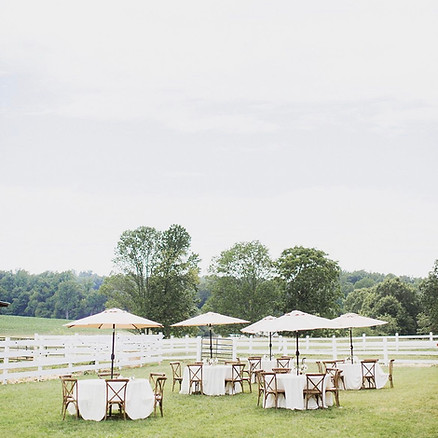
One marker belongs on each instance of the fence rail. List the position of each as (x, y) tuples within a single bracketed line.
[(43, 356)]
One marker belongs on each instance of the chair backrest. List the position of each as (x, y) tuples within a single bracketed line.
[(281, 370), (328, 364), (159, 386), (195, 372), (237, 371), (69, 388), (320, 368), (283, 362), (107, 375), (368, 367), (258, 375), (334, 374), (176, 369), (116, 390), (269, 382), (315, 382), (153, 378), (255, 363)]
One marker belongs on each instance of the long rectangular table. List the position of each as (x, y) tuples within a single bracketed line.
[(92, 399)]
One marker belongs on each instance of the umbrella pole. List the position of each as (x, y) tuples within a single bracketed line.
[(112, 351), (270, 345), (351, 344), (211, 345), (298, 354)]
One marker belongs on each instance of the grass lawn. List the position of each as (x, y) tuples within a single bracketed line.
[(27, 326), (410, 409)]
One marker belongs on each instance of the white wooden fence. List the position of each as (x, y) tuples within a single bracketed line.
[(44, 356), (414, 349)]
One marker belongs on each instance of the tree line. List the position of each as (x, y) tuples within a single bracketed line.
[(157, 276)]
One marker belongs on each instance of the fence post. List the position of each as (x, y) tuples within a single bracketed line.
[(234, 348), (431, 337), (396, 342), (334, 351), (6, 361), (40, 356), (187, 344), (307, 342), (250, 345), (385, 350), (364, 337), (198, 348)]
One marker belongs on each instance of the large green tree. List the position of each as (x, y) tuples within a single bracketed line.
[(429, 301), (242, 283), (310, 281), (158, 274), (393, 300)]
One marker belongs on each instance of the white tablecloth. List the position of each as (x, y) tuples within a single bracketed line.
[(352, 373), (92, 399), (294, 398), (213, 380)]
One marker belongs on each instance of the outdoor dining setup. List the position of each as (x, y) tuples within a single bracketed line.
[(277, 381)]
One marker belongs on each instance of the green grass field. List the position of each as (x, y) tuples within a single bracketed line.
[(408, 410), (27, 326)]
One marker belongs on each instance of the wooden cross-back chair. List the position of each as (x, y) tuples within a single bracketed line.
[(368, 367), (176, 374), (283, 362), (153, 378), (236, 376), (270, 387), (314, 389), (116, 396), (254, 364), (390, 370), (335, 381), (195, 378), (328, 364), (333, 364), (159, 394), (69, 394), (320, 367), (260, 387)]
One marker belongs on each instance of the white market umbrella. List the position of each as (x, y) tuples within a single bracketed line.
[(262, 326), (209, 319), (115, 319), (353, 320), (297, 321)]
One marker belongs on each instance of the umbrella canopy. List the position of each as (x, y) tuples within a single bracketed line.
[(353, 320), (262, 326), (209, 319), (4, 304), (297, 321), (115, 319)]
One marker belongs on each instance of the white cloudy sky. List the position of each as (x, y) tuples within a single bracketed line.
[(295, 123)]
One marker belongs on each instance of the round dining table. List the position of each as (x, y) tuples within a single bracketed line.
[(213, 380), (293, 386), (92, 399), (352, 373)]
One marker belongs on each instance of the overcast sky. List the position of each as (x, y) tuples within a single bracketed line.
[(294, 123)]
